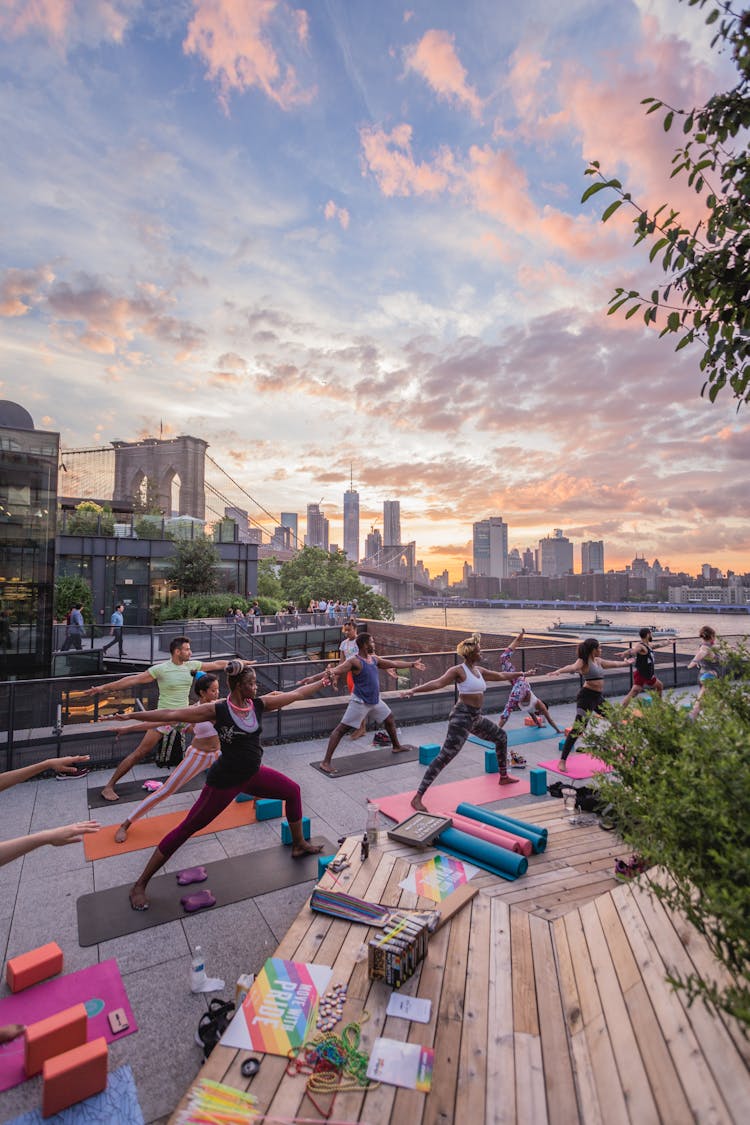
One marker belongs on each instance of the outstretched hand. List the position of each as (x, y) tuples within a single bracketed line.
[(419, 665), (72, 833), (408, 693), (69, 764)]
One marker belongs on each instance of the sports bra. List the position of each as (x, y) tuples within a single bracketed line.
[(595, 672), (473, 684), (204, 730)]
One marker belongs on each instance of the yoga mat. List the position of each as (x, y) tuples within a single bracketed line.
[(579, 766), (518, 736), (537, 837), (147, 832), (373, 759), (130, 791), (491, 858), (492, 834), (443, 799), (117, 1103), (99, 987), (108, 914)]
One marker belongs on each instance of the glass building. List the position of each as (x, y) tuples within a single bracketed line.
[(28, 508)]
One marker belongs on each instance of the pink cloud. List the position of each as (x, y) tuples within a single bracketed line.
[(62, 20), (434, 58), (339, 214), (20, 290), (389, 157), (232, 39)]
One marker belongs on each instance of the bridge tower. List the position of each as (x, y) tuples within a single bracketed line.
[(163, 464)]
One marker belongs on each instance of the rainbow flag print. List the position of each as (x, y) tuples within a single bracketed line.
[(438, 877), (281, 1007)]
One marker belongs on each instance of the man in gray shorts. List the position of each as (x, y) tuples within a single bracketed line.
[(365, 702)]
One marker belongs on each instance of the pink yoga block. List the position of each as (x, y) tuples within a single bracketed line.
[(36, 965)]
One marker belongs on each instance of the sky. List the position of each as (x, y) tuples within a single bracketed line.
[(345, 236)]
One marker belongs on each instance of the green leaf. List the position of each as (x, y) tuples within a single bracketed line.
[(656, 248), (668, 121), (683, 343), (592, 190), (614, 307), (632, 312), (673, 322), (611, 210), (688, 125), (713, 17)]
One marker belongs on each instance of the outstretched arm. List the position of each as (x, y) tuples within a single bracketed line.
[(624, 659), (448, 677), (388, 664), (121, 684), (67, 834), (275, 700), (515, 643), (198, 713), (59, 765), (489, 674), (577, 667)]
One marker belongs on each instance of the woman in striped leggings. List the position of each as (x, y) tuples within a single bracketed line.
[(200, 755)]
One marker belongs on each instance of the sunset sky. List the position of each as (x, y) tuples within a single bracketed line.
[(349, 232)]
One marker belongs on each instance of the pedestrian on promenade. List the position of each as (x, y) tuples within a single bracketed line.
[(470, 680), (644, 673), (75, 629), (174, 679), (707, 661), (590, 699), (200, 755), (116, 622), (238, 721), (365, 702)]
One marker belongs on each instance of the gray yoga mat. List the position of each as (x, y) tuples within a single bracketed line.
[(373, 759), (130, 791), (108, 914)]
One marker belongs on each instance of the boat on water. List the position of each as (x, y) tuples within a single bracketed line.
[(604, 625)]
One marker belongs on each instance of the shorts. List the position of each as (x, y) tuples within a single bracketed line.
[(706, 676), (641, 681), (358, 712)]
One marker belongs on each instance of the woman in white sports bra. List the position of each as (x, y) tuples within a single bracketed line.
[(202, 752), (466, 717)]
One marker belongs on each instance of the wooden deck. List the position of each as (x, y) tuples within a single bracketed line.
[(549, 1001)]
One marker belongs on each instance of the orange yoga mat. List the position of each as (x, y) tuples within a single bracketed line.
[(147, 833)]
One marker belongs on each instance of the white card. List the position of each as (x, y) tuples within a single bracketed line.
[(409, 1007)]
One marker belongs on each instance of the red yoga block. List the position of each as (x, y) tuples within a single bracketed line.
[(73, 1076), (29, 968), (54, 1035)]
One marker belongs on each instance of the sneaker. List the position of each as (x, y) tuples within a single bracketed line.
[(625, 870), (380, 738), (517, 760), (70, 776)]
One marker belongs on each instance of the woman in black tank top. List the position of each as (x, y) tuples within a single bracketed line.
[(590, 698)]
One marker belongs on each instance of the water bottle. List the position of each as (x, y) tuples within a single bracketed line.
[(197, 970), (372, 823)]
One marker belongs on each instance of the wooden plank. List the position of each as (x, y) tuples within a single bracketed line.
[(500, 1105), (562, 1107), (470, 1100), (587, 1095), (531, 1101)]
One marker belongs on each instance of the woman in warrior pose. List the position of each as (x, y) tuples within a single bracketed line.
[(590, 666), (466, 717), (708, 662), (238, 723), (200, 755)]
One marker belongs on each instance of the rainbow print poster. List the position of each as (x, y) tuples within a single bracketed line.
[(438, 877), (280, 1010)]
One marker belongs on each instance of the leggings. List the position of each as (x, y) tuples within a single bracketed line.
[(463, 721), (588, 702), (264, 783), (191, 765)]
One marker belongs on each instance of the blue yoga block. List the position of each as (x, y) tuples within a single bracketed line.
[(428, 752), (268, 808), (286, 834), (490, 762), (244, 797), (645, 699), (538, 782), (323, 861)]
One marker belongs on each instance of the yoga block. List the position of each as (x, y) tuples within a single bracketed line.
[(428, 752), (323, 861), (74, 1076), (244, 797), (490, 762), (268, 809), (286, 833), (29, 968), (58, 1033), (645, 699), (538, 782)]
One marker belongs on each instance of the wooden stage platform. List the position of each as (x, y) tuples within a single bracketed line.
[(549, 1001)]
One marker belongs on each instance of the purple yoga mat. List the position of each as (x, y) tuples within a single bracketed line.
[(99, 987)]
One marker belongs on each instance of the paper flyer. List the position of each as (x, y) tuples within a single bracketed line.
[(280, 1010), (438, 877), (409, 1007), (401, 1064)]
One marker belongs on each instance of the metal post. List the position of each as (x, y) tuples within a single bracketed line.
[(11, 721)]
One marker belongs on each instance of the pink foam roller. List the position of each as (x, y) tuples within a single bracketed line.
[(492, 835)]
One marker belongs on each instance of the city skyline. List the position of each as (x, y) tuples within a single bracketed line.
[(268, 224)]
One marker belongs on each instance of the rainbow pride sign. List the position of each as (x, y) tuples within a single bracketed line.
[(281, 1008), (438, 877)]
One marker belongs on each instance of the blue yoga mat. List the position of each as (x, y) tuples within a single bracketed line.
[(519, 736), (537, 836), (493, 858)]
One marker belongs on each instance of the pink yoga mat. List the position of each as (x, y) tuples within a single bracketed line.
[(99, 987), (492, 835), (443, 799), (579, 766)]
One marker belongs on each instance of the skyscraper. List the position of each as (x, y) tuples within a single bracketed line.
[(555, 555), (592, 556), (289, 519), (351, 525), (317, 528), (491, 547), (373, 543), (391, 523)]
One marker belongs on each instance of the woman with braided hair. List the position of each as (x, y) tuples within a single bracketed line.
[(238, 723)]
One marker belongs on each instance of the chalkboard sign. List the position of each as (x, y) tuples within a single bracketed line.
[(419, 830)]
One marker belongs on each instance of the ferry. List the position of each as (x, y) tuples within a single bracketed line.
[(605, 625)]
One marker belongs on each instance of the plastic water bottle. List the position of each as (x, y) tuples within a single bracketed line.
[(197, 970), (372, 823)]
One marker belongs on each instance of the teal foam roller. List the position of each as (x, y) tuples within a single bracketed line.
[(323, 861), (286, 832), (428, 752), (471, 848), (268, 808), (244, 797), (538, 782), (537, 836), (490, 762), (518, 736)]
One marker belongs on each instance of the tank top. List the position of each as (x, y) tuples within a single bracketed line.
[(644, 662), (241, 751), (473, 684), (367, 682), (204, 730), (594, 672)]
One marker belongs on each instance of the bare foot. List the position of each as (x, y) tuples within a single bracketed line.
[(326, 767), (359, 733), (508, 781), (109, 794), (418, 804), (402, 749), (562, 766), (11, 1031), (138, 899), (121, 834), (305, 848)]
